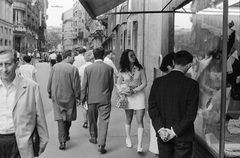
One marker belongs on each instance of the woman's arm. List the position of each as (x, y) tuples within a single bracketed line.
[(143, 84)]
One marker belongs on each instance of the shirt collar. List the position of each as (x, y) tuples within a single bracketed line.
[(177, 70), (98, 60), (14, 82)]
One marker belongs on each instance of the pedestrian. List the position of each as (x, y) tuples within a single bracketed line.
[(79, 59), (173, 105), (109, 60), (53, 58), (21, 111), (131, 82), (165, 67), (59, 57), (64, 89), (97, 89), (89, 58), (27, 69)]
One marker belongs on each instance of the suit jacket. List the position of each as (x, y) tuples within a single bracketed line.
[(28, 112), (173, 102), (97, 83)]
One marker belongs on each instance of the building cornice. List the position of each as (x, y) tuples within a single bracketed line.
[(6, 23)]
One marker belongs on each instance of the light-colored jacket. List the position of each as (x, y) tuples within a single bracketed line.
[(28, 111)]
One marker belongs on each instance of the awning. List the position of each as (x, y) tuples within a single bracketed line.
[(98, 7)]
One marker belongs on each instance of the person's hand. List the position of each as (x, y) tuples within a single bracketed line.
[(78, 102), (41, 150), (238, 79), (164, 135), (171, 134)]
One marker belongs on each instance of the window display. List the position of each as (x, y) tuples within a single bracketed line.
[(205, 41)]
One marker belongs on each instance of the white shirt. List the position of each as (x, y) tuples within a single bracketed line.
[(53, 56), (7, 95), (27, 70), (81, 70), (110, 63), (79, 61)]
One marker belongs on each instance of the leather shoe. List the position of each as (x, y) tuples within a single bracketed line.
[(102, 149), (62, 146), (85, 125), (93, 140), (68, 138)]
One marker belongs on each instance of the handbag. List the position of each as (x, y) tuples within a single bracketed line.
[(35, 142), (121, 102)]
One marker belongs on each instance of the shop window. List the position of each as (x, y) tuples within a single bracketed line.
[(201, 34)]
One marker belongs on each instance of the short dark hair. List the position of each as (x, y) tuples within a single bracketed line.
[(182, 58), (27, 59), (98, 53), (167, 61), (66, 54), (80, 50), (5, 51)]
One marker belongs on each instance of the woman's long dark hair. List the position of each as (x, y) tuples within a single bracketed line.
[(125, 63)]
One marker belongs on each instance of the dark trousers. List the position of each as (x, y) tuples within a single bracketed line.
[(175, 149), (53, 62), (8, 146), (103, 111), (63, 130)]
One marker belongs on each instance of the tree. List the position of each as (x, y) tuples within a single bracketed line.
[(53, 38)]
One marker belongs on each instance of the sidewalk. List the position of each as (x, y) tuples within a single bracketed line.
[(80, 147)]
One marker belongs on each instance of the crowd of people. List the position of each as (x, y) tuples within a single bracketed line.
[(188, 87)]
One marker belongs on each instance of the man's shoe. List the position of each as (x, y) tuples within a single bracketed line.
[(93, 140), (62, 146), (85, 125), (102, 149), (68, 138)]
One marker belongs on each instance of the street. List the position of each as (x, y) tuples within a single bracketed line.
[(79, 146)]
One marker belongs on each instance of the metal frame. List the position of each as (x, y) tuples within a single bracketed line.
[(149, 12)]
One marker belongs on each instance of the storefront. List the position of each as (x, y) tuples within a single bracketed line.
[(217, 125)]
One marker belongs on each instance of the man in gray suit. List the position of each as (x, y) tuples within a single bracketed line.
[(97, 89)]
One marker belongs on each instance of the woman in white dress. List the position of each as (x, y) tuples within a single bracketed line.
[(27, 70), (131, 82)]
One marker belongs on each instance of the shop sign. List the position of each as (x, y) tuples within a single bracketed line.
[(20, 29)]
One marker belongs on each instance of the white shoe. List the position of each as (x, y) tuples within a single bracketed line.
[(139, 150), (128, 143)]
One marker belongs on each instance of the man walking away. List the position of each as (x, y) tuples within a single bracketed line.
[(173, 104), (64, 89), (97, 89)]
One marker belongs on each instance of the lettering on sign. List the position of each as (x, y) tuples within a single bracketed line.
[(19, 29)]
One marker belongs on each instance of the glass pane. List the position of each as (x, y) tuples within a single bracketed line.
[(201, 34)]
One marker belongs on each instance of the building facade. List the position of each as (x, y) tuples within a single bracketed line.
[(6, 23), (80, 33), (67, 30), (29, 19)]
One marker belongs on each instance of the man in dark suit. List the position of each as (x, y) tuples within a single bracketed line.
[(173, 104), (97, 89)]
